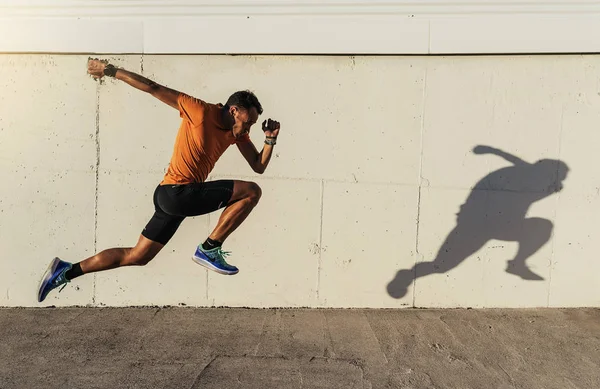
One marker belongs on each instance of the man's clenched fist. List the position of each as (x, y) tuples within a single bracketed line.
[(96, 67)]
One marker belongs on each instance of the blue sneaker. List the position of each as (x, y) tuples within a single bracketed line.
[(53, 278), (214, 260)]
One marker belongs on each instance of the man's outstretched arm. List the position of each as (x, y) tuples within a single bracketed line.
[(491, 150), (99, 69)]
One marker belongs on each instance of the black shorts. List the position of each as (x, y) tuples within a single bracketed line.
[(173, 203)]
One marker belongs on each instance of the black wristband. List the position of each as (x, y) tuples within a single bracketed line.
[(110, 70)]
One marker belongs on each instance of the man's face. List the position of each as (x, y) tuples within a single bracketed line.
[(243, 120)]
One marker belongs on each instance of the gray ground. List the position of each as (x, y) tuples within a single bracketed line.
[(246, 348)]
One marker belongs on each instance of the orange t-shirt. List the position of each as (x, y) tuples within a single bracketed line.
[(200, 142)]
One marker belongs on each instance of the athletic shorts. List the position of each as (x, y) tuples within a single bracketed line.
[(173, 203)]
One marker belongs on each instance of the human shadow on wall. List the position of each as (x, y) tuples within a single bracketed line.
[(496, 209)]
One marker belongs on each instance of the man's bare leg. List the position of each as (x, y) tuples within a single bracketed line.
[(143, 252), (60, 272), (243, 200), (245, 197)]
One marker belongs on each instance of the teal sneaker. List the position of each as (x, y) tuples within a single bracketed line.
[(53, 278), (214, 260)]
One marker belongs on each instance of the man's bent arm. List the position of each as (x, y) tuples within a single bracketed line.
[(166, 95), (257, 161), (263, 158)]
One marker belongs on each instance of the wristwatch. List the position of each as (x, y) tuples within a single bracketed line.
[(271, 140), (110, 70)]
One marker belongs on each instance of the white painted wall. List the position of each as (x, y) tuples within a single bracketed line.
[(300, 27), (373, 163)]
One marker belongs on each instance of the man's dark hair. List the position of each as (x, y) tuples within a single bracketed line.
[(245, 99)]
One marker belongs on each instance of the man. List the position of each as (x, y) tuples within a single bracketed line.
[(206, 131)]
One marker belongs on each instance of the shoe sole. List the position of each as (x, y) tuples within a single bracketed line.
[(46, 277), (207, 265)]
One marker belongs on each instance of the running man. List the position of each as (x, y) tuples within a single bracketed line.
[(206, 132)]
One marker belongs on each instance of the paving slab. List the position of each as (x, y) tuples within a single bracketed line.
[(180, 347)]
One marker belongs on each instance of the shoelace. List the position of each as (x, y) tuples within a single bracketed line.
[(61, 279), (222, 254), (219, 256)]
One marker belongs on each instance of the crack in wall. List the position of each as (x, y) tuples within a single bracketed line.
[(557, 204), (320, 241), (421, 179), (97, 179)]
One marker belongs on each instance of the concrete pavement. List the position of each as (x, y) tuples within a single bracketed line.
[(298, 348)]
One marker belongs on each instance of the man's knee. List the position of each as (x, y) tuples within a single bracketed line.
[(139, 258), (144, 251), (254, 192), (246, 191)]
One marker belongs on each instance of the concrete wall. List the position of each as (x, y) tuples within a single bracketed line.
[(374, 161), (348, 27)]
